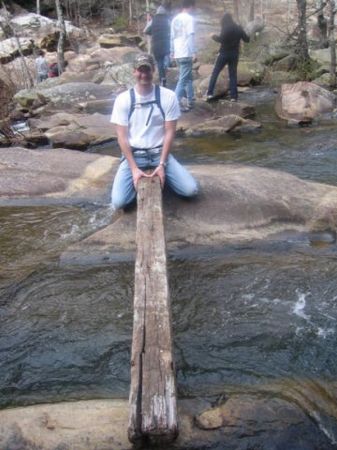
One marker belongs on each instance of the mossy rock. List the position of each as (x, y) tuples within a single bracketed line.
[(323, 80), (286, 64), (27, 100), (276, 78), (277, 55), (250, 73)]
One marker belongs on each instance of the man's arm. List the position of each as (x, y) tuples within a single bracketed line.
[(245, 36), (123, 141), (169, 134)]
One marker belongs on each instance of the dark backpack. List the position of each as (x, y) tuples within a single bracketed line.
[(156, 101)]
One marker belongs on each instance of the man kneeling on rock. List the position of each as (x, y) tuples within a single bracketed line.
[(146, 119)]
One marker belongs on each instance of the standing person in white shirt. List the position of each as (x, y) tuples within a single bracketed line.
[(146, 118), (183, 50), (41, 67)]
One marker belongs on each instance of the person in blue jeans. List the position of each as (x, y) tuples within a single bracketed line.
[(183, 51), (230, 36), (146, 118)]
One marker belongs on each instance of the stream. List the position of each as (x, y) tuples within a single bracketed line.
[(257, 317)]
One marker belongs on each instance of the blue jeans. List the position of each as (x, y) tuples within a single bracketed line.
[(41, 77), (185, 82), (176, 176), (230, 58), (162, 64)]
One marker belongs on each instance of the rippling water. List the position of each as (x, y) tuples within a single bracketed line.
[(261, 317)]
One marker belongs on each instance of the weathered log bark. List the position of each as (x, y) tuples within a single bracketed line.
[(153, 409)]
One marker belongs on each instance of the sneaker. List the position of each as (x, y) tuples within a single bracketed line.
[(209, 98), (184, 109)]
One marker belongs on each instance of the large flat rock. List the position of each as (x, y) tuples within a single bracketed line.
[(236, 203), (54, 176), (76, 131), (243, 421)]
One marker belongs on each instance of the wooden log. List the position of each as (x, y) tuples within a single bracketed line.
[(153, 405)]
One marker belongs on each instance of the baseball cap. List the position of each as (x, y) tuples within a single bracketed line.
[(144, 59)]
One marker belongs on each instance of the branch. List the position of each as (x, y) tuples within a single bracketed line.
[(292, 34)]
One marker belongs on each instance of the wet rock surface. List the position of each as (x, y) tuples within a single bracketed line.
[(66, 95), (76, 131), (242, 422), (236, 203), (49, 176)]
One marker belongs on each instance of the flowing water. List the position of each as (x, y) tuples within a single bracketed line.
[(259, 317)]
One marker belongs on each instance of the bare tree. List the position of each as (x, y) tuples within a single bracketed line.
[(130, 12), (332, 42), (302, 42), (62, 37), (236, 10), (251, 10), (148, 20), (38, 9), (322, 25)]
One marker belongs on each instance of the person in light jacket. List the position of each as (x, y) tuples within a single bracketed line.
[(41, 67)]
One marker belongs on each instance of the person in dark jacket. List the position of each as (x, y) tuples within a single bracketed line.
[(159, 29), (230, 37)]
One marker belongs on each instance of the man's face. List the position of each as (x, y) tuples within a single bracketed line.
[(144, 75)]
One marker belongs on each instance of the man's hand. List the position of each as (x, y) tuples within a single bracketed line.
[(137, 174), (159, 172)]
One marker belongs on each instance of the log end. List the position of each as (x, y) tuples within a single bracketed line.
[(157, 437)]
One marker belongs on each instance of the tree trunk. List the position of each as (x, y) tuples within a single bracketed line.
[(236, 10), (251, 10), (78, 14), (302, 43), (62, 37), (130, 12), (148, 18), (332, 42), (322, 24), (38, 10)]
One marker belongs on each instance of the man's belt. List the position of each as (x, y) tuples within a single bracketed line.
[(145, 151)]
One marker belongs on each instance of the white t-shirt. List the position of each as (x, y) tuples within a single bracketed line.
[(41, 65), (182, 27), (146, 126)]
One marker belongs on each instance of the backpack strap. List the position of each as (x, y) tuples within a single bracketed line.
[(133, 102), (157, 96), (157, 101)]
